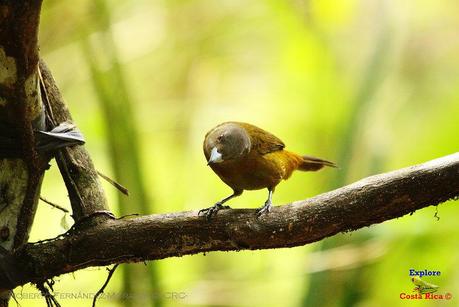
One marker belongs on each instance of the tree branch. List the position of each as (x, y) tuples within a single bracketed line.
[(86, 195), (371, 200), (21, 111)]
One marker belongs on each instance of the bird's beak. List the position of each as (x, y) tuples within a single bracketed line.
[(215, 156)]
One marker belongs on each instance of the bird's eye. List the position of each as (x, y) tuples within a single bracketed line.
[(220, 138)]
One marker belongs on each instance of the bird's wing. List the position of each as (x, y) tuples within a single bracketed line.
[(263, 141)]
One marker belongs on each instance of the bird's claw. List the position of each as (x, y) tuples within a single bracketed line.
[(211, 211), (265, 209)]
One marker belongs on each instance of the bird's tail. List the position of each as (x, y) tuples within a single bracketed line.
[(314, 164)]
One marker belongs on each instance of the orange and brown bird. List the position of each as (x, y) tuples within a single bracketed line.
[(246, 157)]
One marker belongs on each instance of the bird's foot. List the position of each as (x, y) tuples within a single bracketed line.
[(265, 209), (211, 211)]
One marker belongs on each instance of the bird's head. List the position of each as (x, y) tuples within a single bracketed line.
[(225, 142)]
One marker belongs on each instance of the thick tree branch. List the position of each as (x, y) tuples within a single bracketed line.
[(372, 200), (20, 113), (81, 179)]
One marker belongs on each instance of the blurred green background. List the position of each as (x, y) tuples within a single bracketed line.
[(372, 85)]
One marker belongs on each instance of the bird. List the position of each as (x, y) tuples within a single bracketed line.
[(246, 157)]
